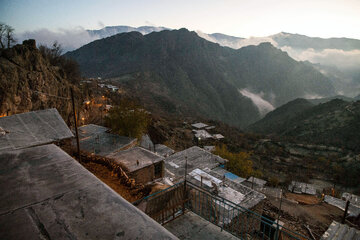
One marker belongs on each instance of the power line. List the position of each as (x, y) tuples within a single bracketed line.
[(50, 95)]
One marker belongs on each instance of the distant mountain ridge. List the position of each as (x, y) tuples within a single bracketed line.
[(113, 30), (182, 72)]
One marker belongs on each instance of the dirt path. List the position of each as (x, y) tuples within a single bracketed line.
[(104, 174)]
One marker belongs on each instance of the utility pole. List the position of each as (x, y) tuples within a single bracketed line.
[(345, 212), (76, 129)]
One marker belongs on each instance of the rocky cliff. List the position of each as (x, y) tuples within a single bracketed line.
[(29, 82)]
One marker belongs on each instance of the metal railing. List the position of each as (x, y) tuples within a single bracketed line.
[(243, 223)]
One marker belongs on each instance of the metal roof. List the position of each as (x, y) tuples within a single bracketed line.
[(300, 187), (353, 210), (337, 231), (46, 194), (33, 128)]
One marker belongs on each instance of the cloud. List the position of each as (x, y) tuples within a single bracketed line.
[(70, 39), (236, 44), (263, 106), (343, 60), (312, 96)]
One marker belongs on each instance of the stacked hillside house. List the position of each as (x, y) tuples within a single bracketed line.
[(141, 164), (46, 194), (201, 132), (203, 170)]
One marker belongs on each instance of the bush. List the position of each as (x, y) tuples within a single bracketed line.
[(238, 163), (128, 119)]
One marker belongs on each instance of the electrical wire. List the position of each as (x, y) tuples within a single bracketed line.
[(50, 95)]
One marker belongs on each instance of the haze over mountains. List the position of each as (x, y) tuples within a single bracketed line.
[(183, 72)]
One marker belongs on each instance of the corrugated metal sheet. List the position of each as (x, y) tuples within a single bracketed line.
[(338, 231)]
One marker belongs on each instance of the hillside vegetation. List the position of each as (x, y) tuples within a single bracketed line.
[(336, 122)]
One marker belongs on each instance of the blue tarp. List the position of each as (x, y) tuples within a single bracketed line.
[(231, 176)]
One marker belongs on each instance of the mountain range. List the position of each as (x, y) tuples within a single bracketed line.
[(337, 58), (182, 72)]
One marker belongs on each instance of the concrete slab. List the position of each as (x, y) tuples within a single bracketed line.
[(32, 129), (196, 158), (163, 150), (192, 226), (45, 194), (96, 139), (199, 125), (135, 158)]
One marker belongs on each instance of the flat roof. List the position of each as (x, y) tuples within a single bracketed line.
[(163, 150), (203, 134), (191, 226), (218, 136), (96, 139), (196, 158), (135, 158), (199, 125), (256, 181), (46, 194), (32, 129), (229, 175), (249, 197)]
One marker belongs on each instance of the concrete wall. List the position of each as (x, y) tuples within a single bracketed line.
[(147, 174)]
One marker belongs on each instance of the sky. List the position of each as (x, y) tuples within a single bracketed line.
[(316, 18)]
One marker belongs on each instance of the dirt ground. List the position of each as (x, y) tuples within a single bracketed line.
[(317, 216), (302, 198), (104, 174)]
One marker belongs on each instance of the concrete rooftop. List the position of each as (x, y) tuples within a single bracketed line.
[(96, 139), (45, 194), (33, 128), (191, 226), (163, 150), (196, 158), (135, 158), (199, 125), (237, 192)]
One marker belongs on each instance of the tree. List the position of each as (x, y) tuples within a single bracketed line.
[(69, 66), (128, 119), (6, 36), (238, 163), (10, 36)]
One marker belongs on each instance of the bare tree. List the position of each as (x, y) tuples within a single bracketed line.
[(9, 36), (6, 36)]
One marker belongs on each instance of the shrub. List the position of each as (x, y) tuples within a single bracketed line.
[(128, 119)]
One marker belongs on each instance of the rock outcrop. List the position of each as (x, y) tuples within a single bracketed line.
[(29, 82)]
